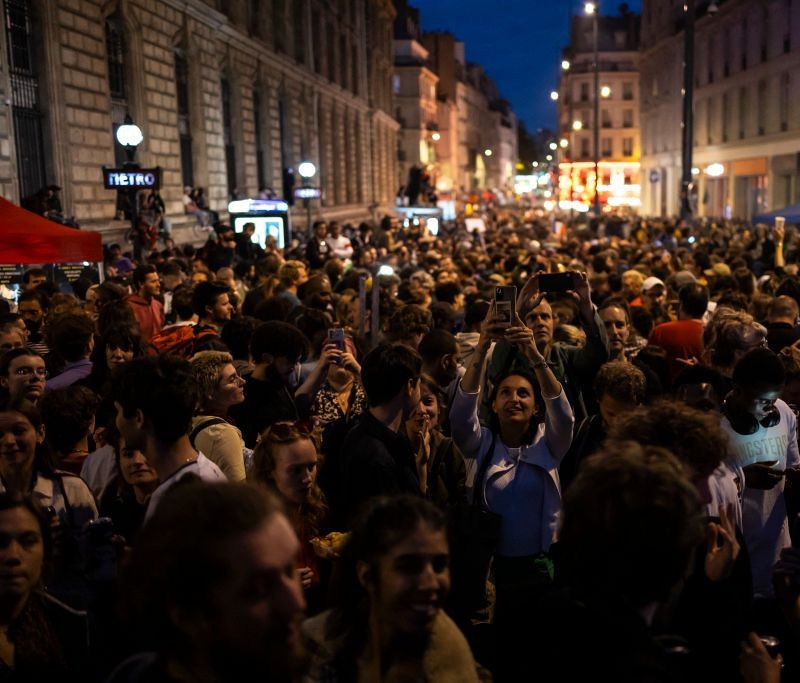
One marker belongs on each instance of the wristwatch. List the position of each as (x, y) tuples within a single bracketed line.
[(540, 364)]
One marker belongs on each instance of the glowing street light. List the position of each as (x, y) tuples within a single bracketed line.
[(487, 152), (436, 137), (564, 143), (590, 8), (553, 146), (577, 125), (535, 164), (549, 157), (605, 91), (307, 170), (565, 64), (554, 96)]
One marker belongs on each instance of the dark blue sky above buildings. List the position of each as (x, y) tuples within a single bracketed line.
[(517, 41)]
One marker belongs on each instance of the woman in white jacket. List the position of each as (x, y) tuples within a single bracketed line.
[(517, 461)]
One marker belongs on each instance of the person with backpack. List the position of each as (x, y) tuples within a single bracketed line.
[(219, 387), (179, 339)]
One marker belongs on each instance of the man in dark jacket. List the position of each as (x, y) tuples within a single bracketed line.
[(378, 459)]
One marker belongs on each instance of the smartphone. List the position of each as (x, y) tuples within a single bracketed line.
[(557, 282), (336, 337), (505, 300)]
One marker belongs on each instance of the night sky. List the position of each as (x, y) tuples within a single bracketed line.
[(518, 42)]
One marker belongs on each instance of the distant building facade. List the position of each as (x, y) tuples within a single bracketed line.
[(619, 135), (229, 94), (746, 129)]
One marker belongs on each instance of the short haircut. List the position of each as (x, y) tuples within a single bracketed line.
[(206, 294), (11, 355), (35, 294), (163, 388), (67, 414), (702, 443), (279, 340), (32, 272), (171, 268), (730, 332), (140, 274), (784, 307), (476, 313), (273, 308), (447, 292), (69, 335), (386, 370), (409, 320), (693, 299), (630, 524), (621, 381), (236, 335), (437, 343), (207, 367), (184, 552), (183, 302), (289, 272), (759, 368)]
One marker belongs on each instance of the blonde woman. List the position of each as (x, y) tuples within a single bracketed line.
[(213, 433)]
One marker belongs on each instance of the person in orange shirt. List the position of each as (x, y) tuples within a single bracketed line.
[(148, 311)]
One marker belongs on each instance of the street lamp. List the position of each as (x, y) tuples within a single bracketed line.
[(130, 136), (307, 171), (535, 164), (487, 152), (577, 125), (554, 96), (564, 143), (549, 157), (605, 92), (565, 64), (553, 146), (436, 137), (591, 9), (687, 124)]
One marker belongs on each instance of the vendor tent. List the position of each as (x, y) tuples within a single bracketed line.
[(26, 237), (790, 213)]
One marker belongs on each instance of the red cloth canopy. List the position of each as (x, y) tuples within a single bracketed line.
[(26, 237)]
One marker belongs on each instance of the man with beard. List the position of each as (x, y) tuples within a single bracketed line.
[(317, 293), (32, 306), (147, 309), (212, 583), (212, 305), (276, 348), (377, 457), (574, 366)]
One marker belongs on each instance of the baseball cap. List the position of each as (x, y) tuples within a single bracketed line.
[(651, 282)]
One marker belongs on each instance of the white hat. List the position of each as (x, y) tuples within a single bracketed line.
[(651, 282)]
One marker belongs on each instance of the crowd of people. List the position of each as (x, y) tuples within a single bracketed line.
[(541, 451)]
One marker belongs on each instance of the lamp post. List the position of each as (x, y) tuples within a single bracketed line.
[(687, 125), (130, 136), (307, 171), (591, 9)]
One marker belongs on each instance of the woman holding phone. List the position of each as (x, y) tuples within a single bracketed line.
[(517, 459)]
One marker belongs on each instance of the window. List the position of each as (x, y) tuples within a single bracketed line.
[(279, 24), (184, 130), (709, 121), (784, 100), (584, 92), (255, 18), (227, 132), (743, 44), (710, 55), (330, 38), (742, 112), (115, 47), (762, 107), (299, 21), (343, 52), (585, 153), (25, 105), (258, 124), (726, 108), (396, 84), (606, 119), (316, 43), (607, 147), (627, 91), (627, 118), (627, 147)]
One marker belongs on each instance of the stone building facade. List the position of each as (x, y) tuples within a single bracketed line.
[(229, 94), (619, 134), (746, 138)]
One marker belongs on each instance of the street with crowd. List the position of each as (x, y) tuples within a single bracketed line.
[(541, 450)]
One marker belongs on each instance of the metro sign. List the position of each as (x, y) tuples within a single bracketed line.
[(140, 178)]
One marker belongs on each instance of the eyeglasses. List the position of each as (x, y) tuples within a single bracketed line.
[(28, 371)]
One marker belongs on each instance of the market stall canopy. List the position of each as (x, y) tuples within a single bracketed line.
[(26, 237), (790, 213)]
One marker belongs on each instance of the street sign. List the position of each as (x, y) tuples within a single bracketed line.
[(655, 176), (127, 179), (307, 193)]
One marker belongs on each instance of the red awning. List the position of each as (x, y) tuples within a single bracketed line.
[(26, 237)]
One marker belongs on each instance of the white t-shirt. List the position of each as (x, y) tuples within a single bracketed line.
[(202, 468), (340, 246), (764, 520)]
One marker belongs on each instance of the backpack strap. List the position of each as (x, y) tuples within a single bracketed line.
[(478, 483), (200, 426)]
